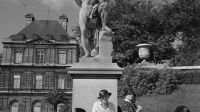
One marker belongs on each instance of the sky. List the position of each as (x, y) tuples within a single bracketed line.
[(12, 14)]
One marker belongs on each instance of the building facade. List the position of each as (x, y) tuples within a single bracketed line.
[(34, 62)]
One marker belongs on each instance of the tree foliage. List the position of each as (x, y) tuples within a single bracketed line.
[(55, 97), (138, 22), (145, 22), (184, 16)]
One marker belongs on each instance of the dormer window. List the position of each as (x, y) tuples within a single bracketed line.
[(18, 56)]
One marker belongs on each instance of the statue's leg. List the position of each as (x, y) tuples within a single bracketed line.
[(103, 12), (83, 20)]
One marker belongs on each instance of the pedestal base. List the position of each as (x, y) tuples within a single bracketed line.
[(86, 91), (90, 76)]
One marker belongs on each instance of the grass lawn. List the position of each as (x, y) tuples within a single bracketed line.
[(188, 95)]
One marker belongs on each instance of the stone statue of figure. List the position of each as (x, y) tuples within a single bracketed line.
[(92, 9)]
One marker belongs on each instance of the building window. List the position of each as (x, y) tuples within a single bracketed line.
[(69, 56), (5, 79), (16, 83), (26, 80), (2, 80), (62, 57), (38, 81), (61, 107), (68, 82), (15, 107), (37, 107), (4, 104), (49, 80), (61, 82), (40, 56), (1, 104), (47, 107), (18, 56)]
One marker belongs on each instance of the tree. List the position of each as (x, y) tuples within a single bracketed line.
[(142, 21), (55, 97), (184, 16), (76, 31), (137, 22)]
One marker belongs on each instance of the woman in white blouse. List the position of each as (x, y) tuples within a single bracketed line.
[(103, 105)]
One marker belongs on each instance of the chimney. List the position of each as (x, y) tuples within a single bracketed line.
[(29, 18), (63, 20)]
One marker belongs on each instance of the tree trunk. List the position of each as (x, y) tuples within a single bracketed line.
[(55, 108)]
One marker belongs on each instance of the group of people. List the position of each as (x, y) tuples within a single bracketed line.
[(128, 103)]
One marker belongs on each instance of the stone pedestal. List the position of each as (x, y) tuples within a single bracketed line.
[(91, 75)]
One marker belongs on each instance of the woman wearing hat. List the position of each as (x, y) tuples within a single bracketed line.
[(103, 105)]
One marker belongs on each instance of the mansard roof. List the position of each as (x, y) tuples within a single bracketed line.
[(45, 29)]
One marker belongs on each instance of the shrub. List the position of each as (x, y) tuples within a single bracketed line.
[(146, 81), (188, 77)]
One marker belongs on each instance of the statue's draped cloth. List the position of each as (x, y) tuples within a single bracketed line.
[(92, 14)]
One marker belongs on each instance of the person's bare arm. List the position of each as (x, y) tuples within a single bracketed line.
[(86, 1), (94, 2), (102, 1), (139, 108), (90, 1)]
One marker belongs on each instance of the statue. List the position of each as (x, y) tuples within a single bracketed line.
[(92, 9)]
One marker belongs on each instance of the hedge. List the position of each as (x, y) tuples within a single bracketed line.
[(188, 77), (146, 81)]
